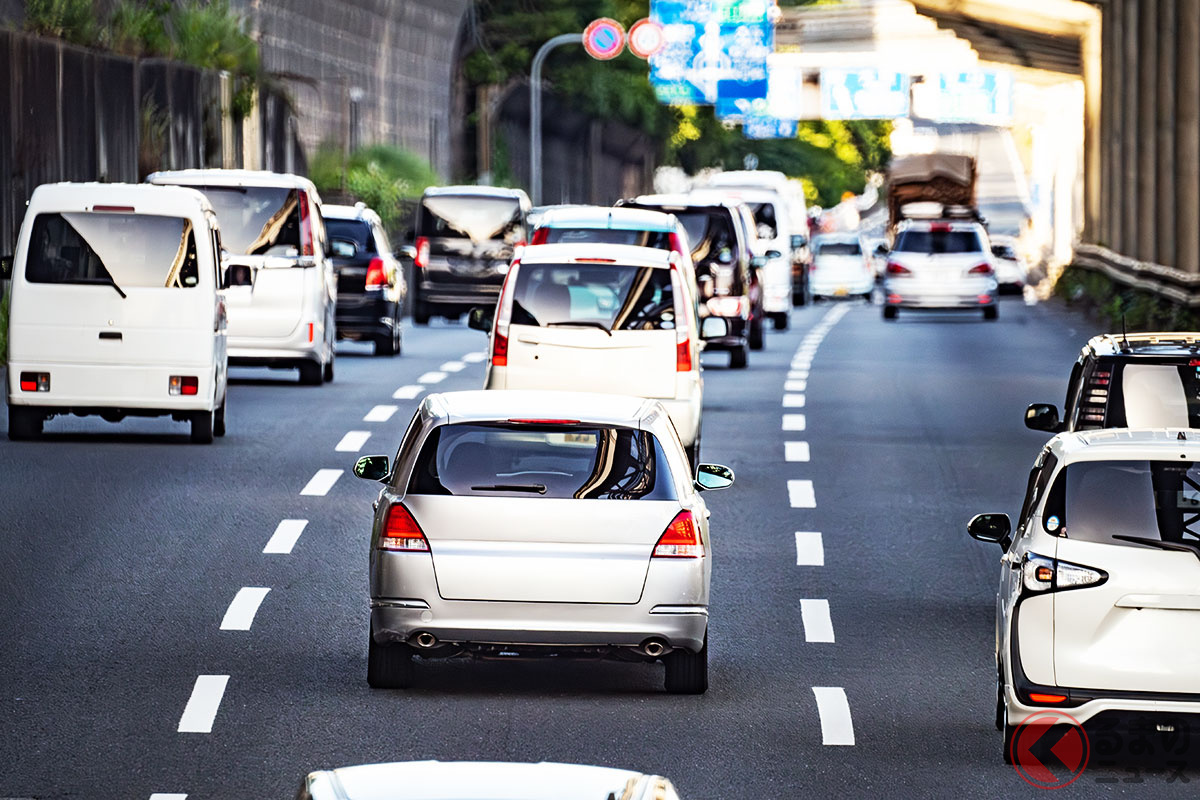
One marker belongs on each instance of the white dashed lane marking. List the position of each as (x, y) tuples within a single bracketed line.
[(475, 358), (380, 414), (409, 392), (432, 377), (285, 536), (161, 796), (798, 375), (240, 614), (453, 366), (793, 422), (353, 441), (321, 483), (800, 494), (793, 401), (795, 386), (818, 627), (837, 728), (795, 451), (810, 552), (202, 706)]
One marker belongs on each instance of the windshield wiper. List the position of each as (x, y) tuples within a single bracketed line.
[(1182, 547), (579, 323), (113, 284), (533, 488)]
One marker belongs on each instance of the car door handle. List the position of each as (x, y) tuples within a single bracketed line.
[(113, 336)]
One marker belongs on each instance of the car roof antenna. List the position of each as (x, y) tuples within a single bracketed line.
[(1124, 334)]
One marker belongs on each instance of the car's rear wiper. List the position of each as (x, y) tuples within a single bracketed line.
[(113, 284), (579, 323), (1182, 547), (533, 488)]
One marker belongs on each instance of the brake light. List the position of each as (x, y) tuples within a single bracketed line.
[(114, 209), (306, 236), (499, 350), (683, 356), (683, 334), (897, 269), (594, 260), (729, 306), (375, 275), (1042, 574), (681, 539), (940, 227), (35, 381), (1047, 698), (675, 242), (503, 315), (980, 269), (310, 332), (544, 421), (540, 236), (183, 385), (421, 261), (401, 532)]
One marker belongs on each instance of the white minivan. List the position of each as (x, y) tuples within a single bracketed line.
[(116, 308), (616, 319), (281, 284)]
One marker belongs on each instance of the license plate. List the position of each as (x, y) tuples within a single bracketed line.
[(840, 292)]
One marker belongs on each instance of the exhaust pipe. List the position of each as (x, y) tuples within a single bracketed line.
[(653, 648), (426, 640)]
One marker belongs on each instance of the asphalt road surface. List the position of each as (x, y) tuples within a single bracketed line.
[(851, 640)]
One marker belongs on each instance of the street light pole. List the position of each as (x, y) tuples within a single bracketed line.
[(535, 111)]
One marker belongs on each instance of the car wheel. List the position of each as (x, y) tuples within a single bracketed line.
[(24, 423), (991, 313), (219, 419), (687, 672), (310, 373), (389, 666), (758, 333), (739, 358), (1009, 734), (890, 312), (420, 313), (385, 345), (327, 372), (202, 427), (781, 320)]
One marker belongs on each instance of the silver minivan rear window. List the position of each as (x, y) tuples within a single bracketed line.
[(257, 220), (552, 460), (613, 297), (125, 250)]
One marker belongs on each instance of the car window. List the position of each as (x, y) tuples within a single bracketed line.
[(660, 240), (542, 461), (473, 217), (128, 250), (613, 296), (711, 236), (1101, 500), (357, 231), (839, 249), (1039, 477), (764, 220), (257, 220), (938, 242)]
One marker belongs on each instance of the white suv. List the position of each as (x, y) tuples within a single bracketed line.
[(1098, 612), (940, 265)]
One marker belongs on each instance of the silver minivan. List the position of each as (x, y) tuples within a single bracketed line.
[(281, 285)]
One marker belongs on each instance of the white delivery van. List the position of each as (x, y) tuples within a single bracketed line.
[(281, 286), (116, 308)]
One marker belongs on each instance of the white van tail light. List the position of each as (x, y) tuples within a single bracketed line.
[(681, 539), (729, 307), (376, 277), (183, 384), (35, 381), (401, 533), (503, 316), (306, 231), (683, 333), (1042, 574)]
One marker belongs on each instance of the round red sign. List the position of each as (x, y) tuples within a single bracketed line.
[(604, 39), (646, 38)]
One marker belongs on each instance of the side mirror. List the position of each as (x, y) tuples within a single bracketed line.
[(6, 263), (881, 250), (710, 477), (409, 252), (1043, 417), (481, 319), (799, 240), (372, 468), (714, 328), (773, 254), (238, 275), (991, 528), (758, 262)]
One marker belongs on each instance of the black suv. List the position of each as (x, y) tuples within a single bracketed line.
[(371, 284), (1145, 380)]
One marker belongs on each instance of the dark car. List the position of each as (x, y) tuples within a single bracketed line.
[(1145, 380), (465, 238), (371, 286), (727, 281)]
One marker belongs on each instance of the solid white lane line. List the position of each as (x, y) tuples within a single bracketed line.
[(353, 441), (432, 377), (285, 536), (380, 414), (814, 614), (801, 495), (795, 451), (795, 386), (162, 796), (202, 706), (793, 401), (240, 614), (837, 728), (475, 358), (453, 366), (321, 483), (409, 392), (793, 422), (810, 552)]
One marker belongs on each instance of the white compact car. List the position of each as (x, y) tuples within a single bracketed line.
[(601, 318), (540, 523), (280, 283), (940, 265), (1010, 266), (840, 268), (116, 308), (1098, 612)]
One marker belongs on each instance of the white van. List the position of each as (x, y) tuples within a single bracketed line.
[(116, 308), (281, 285), (615, 319)]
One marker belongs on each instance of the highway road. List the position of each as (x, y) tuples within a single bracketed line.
[(168, 632)]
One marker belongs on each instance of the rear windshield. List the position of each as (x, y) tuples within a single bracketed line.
[(839, 249), (1099, 501), (124, 250), (257, 220), (1144, 395), (354, 231), (659, 240), (939, 242), (615, 297), (555, 461), (711, 236), (764, 219), (480, 219)]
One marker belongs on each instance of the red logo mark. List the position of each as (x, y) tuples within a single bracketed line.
[(1050, 750)]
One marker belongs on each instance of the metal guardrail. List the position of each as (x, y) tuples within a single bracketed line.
[(1166, 282)]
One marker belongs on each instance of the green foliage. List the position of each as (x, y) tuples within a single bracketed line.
[(72, 20), (210, 35), (382, 176), (139, 29), (1098, 294)]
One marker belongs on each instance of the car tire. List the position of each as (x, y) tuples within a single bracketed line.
[(758, 333), (202, 427), (389, 666), (385, 345), (781, 320), (739, 357), (327, 371), (219, 419), (421, 313), (991, 313), (24, 423), (311, 373), (890, 313), (687, 672), (1010, 733)]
